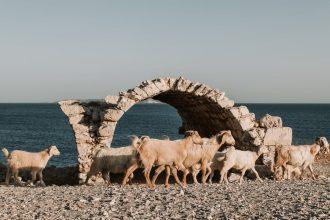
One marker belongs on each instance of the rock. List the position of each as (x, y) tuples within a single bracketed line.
[(269, 121), (107, 129), (112, 114), (247, 122), (282, 136), (95, 199), (125, 103), (112, 99)]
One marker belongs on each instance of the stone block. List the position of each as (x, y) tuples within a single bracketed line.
[(112, 114), (244, 110), (282, 136), (125, 103), (112, 99), (161, 84), (269, 121), (235, 112), (247, 122), (182, 84), (151, 89), (71, 110)]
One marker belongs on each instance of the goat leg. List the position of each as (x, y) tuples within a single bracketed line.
[(129, 172), (209, 171), (194, 173), (34, 177), (312, 172), (175, 174), (211, 177), (242, 175), (168, 173), (184, 178), (106, 177), (42, 183), (158, 171), (147, 176), (256, 173), (203, 173), (7, 176)]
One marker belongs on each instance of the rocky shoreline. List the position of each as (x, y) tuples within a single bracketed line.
[(302, 199)]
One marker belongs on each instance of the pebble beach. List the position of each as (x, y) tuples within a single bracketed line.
[(299, 199)]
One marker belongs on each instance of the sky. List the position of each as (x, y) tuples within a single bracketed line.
[(256, 51)]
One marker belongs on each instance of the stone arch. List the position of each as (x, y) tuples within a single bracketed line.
[(201, 108)]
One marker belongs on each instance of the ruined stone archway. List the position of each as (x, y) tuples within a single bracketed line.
[(201, 108)]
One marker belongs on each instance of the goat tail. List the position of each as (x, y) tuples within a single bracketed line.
[(5, 152)]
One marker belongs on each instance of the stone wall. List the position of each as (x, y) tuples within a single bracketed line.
[(201, 108)]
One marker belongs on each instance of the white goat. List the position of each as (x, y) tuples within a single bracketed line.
[(216, 165), (165, 153), (200, 157), (22, 160), (301, 156), (114, 160), (240, 160)]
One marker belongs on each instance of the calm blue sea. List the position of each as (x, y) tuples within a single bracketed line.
[(35, 126)]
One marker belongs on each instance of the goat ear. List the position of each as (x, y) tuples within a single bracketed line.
[(144, 138), (224, 132), (132, 137)]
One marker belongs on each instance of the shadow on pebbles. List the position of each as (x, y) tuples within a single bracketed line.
[(305, 199)]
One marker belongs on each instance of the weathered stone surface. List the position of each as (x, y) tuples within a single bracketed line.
[(107, 129), (161, 84), (247, 122), (282, 136), (244, 110), (112, 115), (269, 121), (112, 99), (151, 89), (125, 103), (171, 82), (182, 84), (257, 141), (72, 110), (235, 111), (75, 119)]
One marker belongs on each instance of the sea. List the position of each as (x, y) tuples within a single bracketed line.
[(34, 127)]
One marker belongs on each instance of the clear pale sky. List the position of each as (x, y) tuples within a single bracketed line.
[(256, 51)]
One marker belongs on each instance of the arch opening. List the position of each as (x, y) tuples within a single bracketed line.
[(153, 119)]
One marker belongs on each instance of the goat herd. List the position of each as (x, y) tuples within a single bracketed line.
[(191, 154)]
